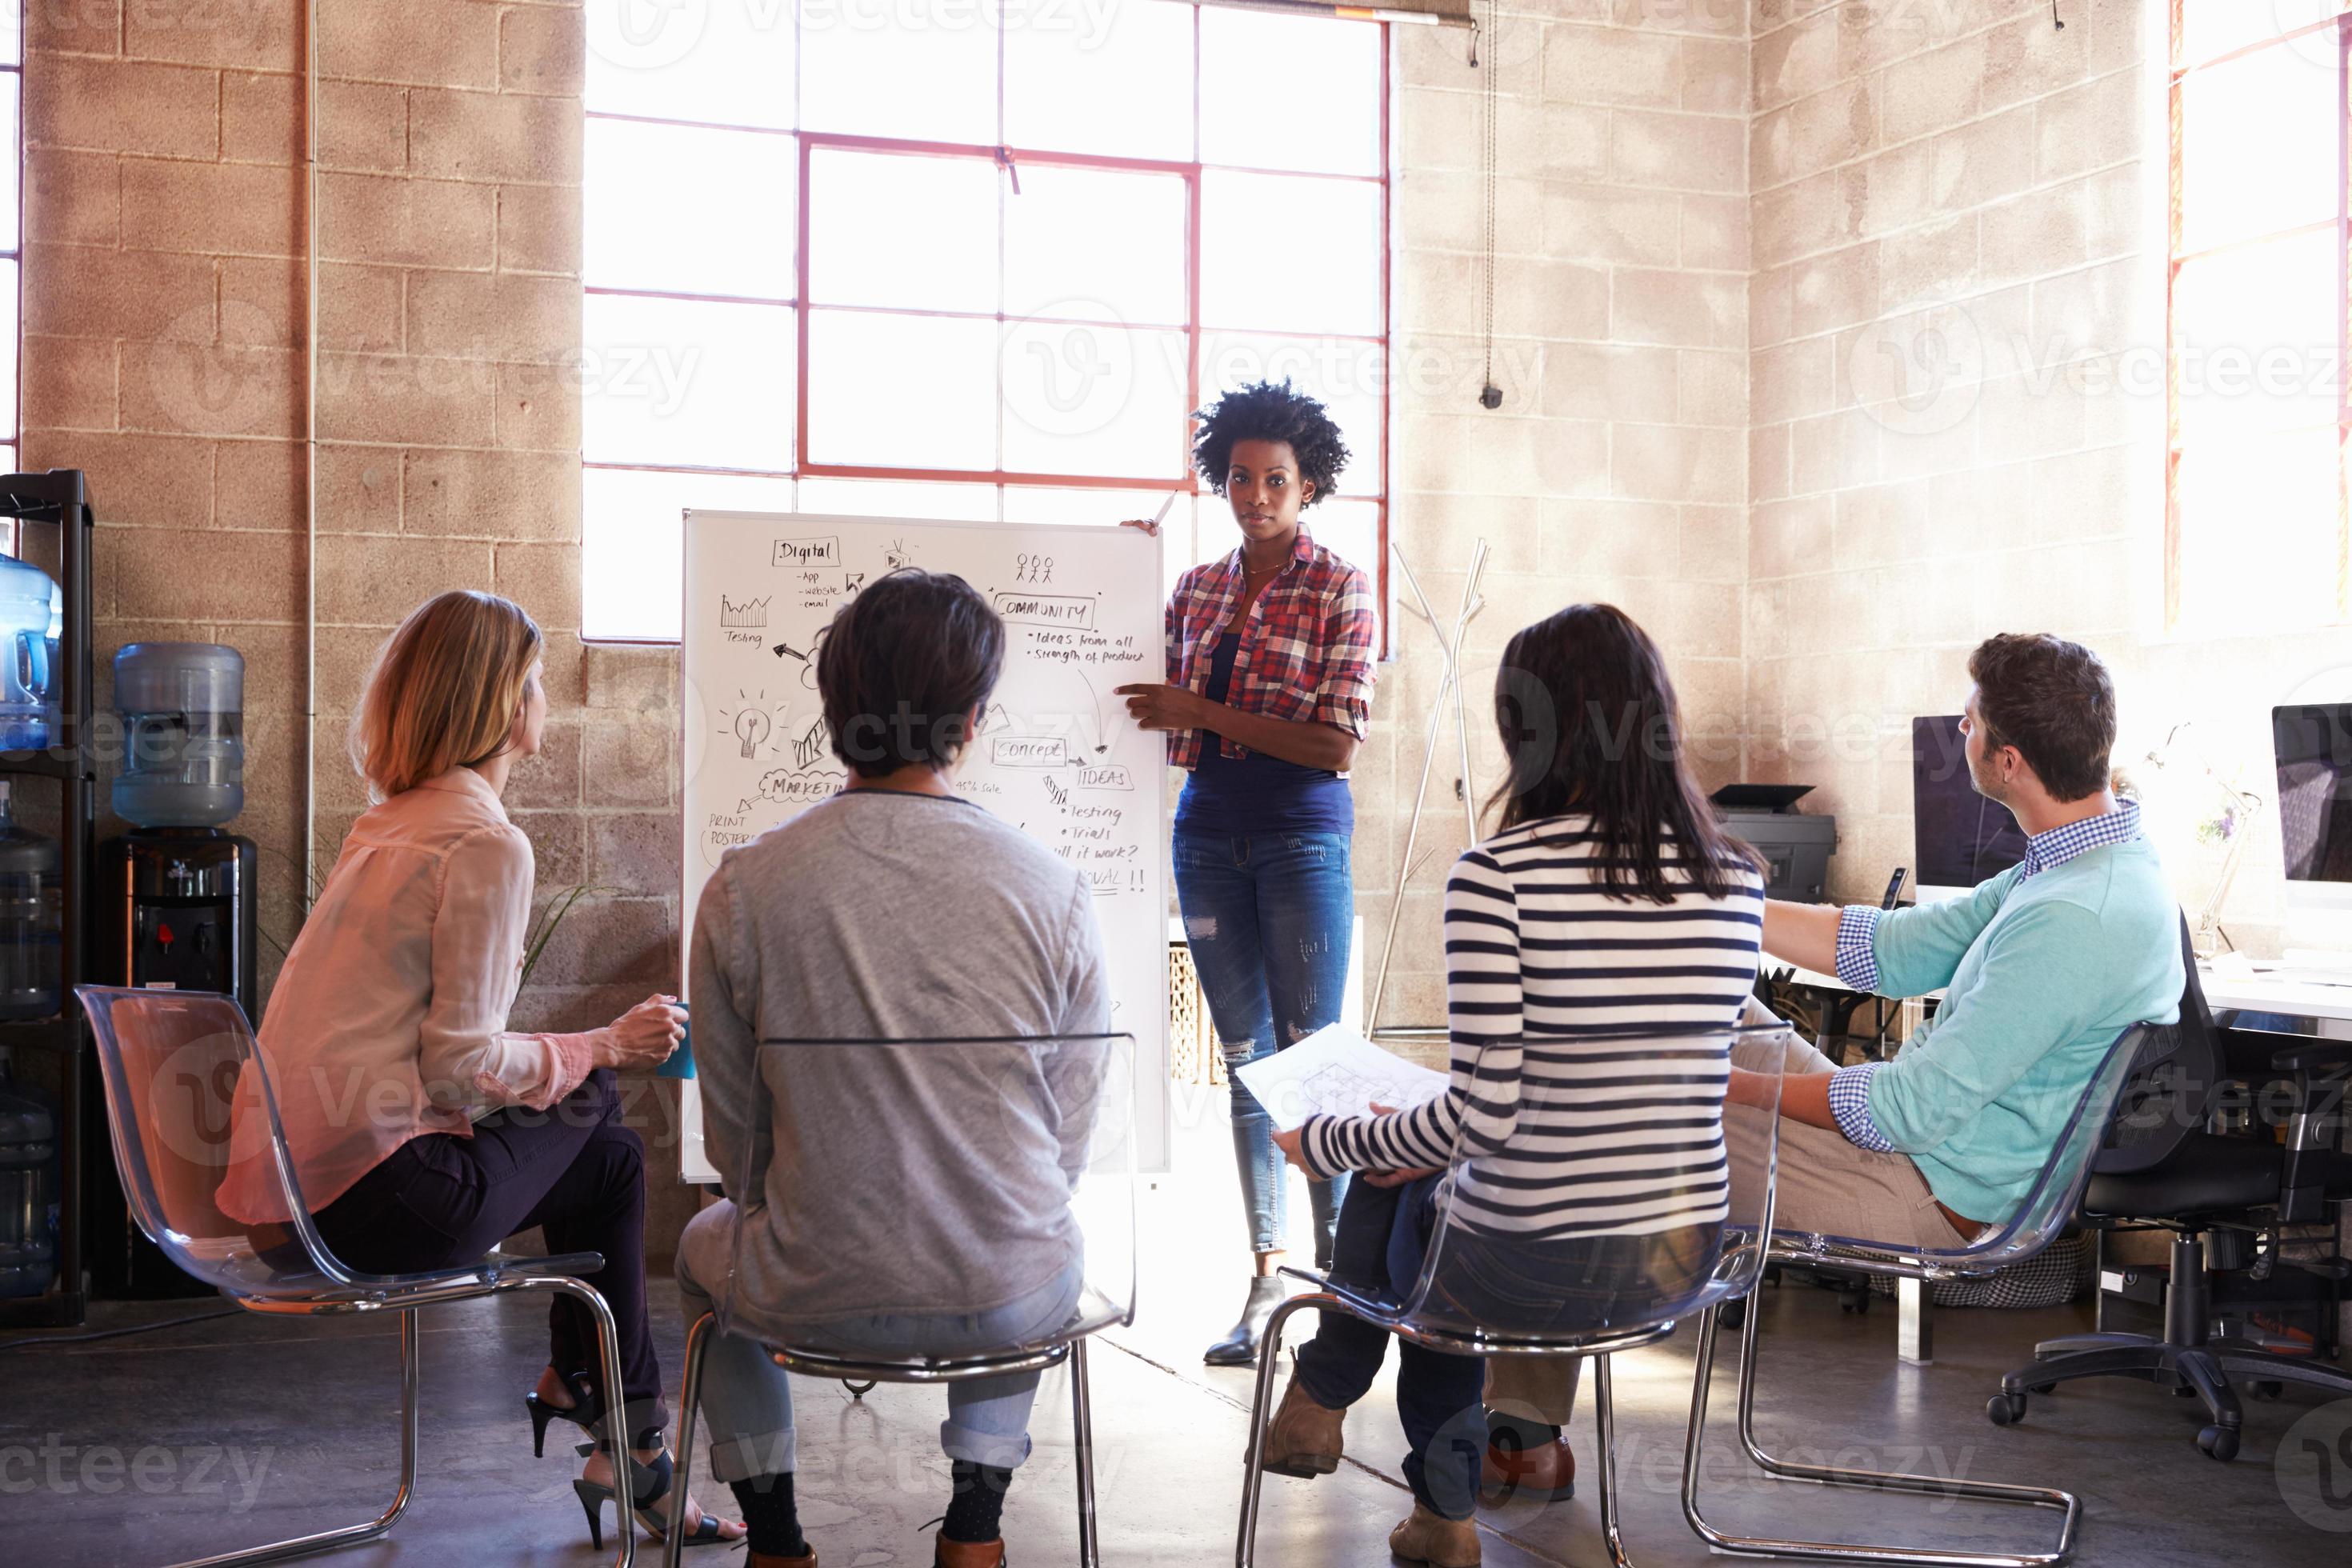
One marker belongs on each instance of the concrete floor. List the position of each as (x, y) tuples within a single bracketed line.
[(201, 1439)]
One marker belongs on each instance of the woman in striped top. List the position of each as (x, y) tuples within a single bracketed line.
[(1610, 903)]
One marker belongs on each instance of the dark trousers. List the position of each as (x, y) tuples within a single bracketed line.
[(1384, 1234), (442, 1202)]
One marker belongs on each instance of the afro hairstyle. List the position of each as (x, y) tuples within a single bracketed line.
[(1261, 411)]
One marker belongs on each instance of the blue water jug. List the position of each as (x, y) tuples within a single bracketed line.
[(32, 619), (184, 734), (29, 1186)]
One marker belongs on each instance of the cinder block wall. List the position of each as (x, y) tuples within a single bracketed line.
[(1959, 233), (164, 315), (1616, 467)]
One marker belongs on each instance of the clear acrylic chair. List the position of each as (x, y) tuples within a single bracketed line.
[(1716, 1260), (1032, 1083), (172, 1062), (2047, 1209)]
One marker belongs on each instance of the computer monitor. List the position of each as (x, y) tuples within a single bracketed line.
[(2313, 742), (1957, 836)]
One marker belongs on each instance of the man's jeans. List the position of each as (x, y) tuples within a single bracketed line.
[(747, 1399)]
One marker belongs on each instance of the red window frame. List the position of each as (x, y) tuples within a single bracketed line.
[(2178, 74), (1193, 328)]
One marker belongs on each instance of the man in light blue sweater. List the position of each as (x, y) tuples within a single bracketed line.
[(2042, 968)]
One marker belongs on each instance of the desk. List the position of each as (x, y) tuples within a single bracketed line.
[(2229, 990), (2329, 1006)]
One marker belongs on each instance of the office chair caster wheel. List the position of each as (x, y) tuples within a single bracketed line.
[(2005, 1409), (2219, 1443), (1734, 1314), (2265, 1388)]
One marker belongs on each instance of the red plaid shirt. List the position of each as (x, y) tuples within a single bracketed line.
[(1306, 654)]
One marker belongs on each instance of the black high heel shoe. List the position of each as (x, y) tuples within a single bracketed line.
[(587, 1408), (649, 1484)]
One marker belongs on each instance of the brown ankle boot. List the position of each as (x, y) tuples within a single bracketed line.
[(1304, 1439), (1545, 1473), (1437, 1541), (763, 1560), (968, 1553)]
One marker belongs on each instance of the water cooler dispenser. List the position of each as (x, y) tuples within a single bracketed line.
[(174, 896)]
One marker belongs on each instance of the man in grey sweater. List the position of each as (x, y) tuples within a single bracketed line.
[(905, 1197)]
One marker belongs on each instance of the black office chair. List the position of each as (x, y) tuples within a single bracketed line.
[(2221, 1194)]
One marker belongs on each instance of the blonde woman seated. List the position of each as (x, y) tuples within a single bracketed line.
[(423, 1131)]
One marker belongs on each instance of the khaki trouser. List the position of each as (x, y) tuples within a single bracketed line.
[(1827, 1186)]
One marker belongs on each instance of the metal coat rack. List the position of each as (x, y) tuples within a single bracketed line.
[(1450, 650)]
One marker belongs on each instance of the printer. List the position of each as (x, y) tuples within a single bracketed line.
[(1796, 849)]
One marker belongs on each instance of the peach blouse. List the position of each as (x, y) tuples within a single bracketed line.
[(389, 1018)]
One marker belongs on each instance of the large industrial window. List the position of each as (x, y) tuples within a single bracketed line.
[(857, 259), (2256, 525)]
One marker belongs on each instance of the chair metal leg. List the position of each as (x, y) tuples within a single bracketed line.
[(1082, 1427), (1915, 1322), (1832, 1552), (1269, 1352), (351, 1534), (689, 1400), (617, 1427), (1605, 1422)]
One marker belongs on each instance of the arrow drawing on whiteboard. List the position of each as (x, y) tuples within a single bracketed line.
[(1102, 730), (809, 746), (786, 650)]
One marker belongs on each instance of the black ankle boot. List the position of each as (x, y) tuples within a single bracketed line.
[(1239, 1347)]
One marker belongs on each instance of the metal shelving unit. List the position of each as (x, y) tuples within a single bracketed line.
[(60, 497)]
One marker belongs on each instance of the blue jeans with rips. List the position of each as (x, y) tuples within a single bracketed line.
[(1268, 917)]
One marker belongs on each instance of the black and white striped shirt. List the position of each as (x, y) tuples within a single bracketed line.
[(1578, 1130)]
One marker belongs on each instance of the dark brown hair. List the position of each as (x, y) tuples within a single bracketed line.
[(2052, 700), (1591, 724), (903, 669)]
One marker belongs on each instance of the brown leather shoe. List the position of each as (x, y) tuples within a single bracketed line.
[(968, 1553), (763, 1560), (1546, 1474), (1440, 1542), (1304, 1439)]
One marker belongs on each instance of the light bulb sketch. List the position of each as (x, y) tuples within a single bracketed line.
[(752, 727)]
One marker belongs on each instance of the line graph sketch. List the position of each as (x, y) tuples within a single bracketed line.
[(744, 615)]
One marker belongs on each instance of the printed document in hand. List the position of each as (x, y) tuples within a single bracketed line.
[(1337, 1072)]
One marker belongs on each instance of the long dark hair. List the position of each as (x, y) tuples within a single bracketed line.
[(1590, 725)]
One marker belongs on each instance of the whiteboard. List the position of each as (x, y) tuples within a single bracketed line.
[(1056, 753)]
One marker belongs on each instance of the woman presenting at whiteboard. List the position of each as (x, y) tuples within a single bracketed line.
[(1269, 691)]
